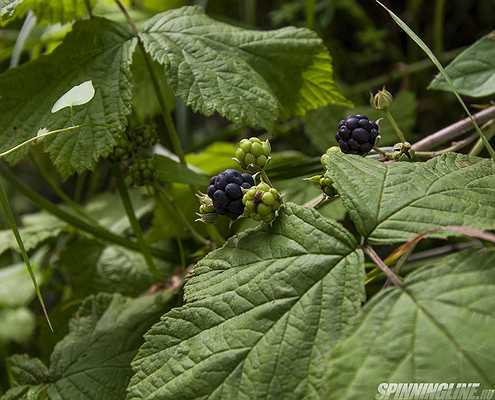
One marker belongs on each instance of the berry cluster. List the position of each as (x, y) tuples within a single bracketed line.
[(134, 142), (261, 202), (142, 172), (226, 191), (357, 134), (253, 154)]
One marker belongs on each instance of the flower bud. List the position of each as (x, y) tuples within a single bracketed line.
[(382, 100)]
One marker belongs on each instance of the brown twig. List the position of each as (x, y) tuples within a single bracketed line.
[(384, 267), (454, 130)]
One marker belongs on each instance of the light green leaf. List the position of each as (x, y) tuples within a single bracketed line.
[(321, 124), (46, 228), (213, 159), (261, 314), (16, 287), (109, 269), (250, 77), (169, 170), (473, 71), (16, 324), (97, 50), (394, 202), (77, 96), (437, 328), (93, 360), (45, 10)]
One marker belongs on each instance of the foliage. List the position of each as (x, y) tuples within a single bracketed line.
[(116, 115)]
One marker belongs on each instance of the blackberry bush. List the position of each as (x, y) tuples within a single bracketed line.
[(357, 134), (226, 191)]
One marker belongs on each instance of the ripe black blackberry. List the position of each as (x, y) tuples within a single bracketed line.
[(357, 134), (225, 190)]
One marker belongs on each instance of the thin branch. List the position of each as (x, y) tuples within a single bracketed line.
[(380, 264), (457, 129), (95, 231), (165, 113), (136, 227)]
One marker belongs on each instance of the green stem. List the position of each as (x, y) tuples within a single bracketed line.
[(88, 8), (61, 194), (397, 130), (250, 12), (478, 147), (171, 203), (215, 234), (165, 113), (438, 24), (310, 10), (10, 218), (401, 71), (95, 231), (136, 227)]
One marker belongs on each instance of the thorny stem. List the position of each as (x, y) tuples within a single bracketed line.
[(455, 146), (165, 113), (96, 231), (380, 264), (136, 227), (457, 129)]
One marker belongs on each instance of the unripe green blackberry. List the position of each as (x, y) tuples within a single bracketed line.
[(325, 184), (122, 151), (261, 202), (142, 172), (144, 137), (253, 154)]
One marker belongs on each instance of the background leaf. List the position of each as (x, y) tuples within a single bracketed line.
[(250, 77), (437, 328), (473, 71), (261, 313), (45, 10), (394, 202), (97, 50), (93, 360)]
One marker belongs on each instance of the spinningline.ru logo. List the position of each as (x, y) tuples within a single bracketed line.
[(433, 391)]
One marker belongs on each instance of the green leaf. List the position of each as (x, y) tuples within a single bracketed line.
[(38, 228), (93, 360), (437, 328), (97, 50), (16, 324), (16, 287), (169, 170), (45, 10), (250, 77), (213, 159), (321, 124), (261, 314), (394, 202), (473, 71), (26, 371), (109, 269)]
